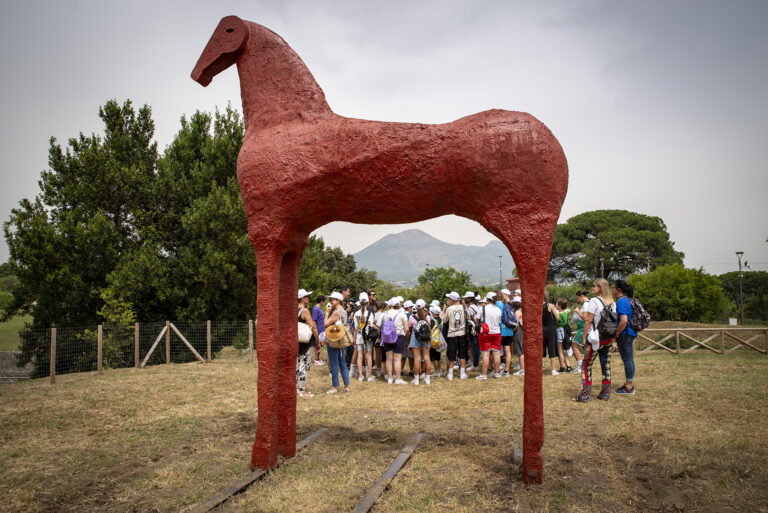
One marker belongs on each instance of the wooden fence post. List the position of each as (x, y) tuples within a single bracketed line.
[(250, 340), (167, 343), (208, 341), (53, 356), (136, 345), (677, 341), (722, 342), (99, 342)]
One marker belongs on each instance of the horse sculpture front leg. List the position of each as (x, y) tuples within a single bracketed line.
[(269, 258)]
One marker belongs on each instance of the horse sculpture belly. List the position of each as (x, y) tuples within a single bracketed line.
[(302, 166)]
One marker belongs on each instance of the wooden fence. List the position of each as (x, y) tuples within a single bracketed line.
[(718, 340)]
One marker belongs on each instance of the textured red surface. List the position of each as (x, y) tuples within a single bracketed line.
[(302, 166)]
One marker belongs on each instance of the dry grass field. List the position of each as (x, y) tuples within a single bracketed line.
[(694, 438)]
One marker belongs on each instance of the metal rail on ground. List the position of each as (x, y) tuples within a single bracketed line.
[(242, 484), (378, 487)]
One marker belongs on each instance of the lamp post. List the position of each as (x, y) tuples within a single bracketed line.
[(739, 254), (500, 286)]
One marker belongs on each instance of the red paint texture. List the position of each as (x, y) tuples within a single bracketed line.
[(302, 166)]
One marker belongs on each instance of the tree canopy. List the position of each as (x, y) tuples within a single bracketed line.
[(755, 290), (675, 293), (436, 282), (610, 243)]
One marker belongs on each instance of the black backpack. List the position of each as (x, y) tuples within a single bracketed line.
[(609, 321), (422, 331), (370, 333), (640, 318)]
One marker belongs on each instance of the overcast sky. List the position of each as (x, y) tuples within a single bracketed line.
[(661, 107)]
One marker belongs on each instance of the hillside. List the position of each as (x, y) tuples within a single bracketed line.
[(403, 256)]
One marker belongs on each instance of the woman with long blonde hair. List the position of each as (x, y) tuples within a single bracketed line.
[(592, 312)]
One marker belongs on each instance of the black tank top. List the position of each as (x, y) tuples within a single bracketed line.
[(547, 319)]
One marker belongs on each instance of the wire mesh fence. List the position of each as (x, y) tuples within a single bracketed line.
[(65, 350)]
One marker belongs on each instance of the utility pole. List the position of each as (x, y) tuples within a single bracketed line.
[(500, 286), (741, 291)]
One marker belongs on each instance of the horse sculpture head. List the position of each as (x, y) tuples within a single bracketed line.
[(225, 46)]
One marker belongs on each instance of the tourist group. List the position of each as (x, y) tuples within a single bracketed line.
[(371, 339)]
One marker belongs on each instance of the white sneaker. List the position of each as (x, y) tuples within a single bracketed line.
[(516, 368), (371, 379), (426, 380), (422, 375), (437, 373), (463, 375), (400, 381), (353, 371), (361, 378), (519, 373), (455, 366), (415, 381), (390, 380), (481, 377), (496, 375), (449, 376), (555, 373), (470, 368)]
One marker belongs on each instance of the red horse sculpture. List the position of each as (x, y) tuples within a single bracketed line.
[(302, 166)]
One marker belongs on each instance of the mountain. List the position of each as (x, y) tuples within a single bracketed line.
[(402, 257)]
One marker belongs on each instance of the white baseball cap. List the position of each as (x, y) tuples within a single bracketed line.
[(453, 295), (400, 299), (435, 302), (303, 293), (394, 301), (469, 293), (336, 295), (363, 296), (518, 292), (490, 296), (505, 291), (408, 304), (435, 310), (484, 300), (420, 303), (517, 299)]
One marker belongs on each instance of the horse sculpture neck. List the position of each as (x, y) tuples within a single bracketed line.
[(275, 84)]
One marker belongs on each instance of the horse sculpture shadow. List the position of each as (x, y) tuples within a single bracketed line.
[(302, 166)]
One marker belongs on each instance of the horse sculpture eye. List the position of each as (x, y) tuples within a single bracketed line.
[(230, 30)]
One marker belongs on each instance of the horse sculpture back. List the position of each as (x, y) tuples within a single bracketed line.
[(302, 166)]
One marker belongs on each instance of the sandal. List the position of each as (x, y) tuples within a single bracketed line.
[(345, 390), (605, 392), (332, 391), (583, 396)]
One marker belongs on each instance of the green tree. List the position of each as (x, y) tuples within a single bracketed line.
[(675, 293), (88, 213), (436, 282), (755, 290), (610, 243), (324, 269)]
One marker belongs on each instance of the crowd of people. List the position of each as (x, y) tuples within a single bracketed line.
[(469, 333)]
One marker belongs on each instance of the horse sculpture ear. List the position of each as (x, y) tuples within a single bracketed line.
[(223, 49)]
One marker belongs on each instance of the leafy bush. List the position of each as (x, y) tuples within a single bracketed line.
[(675, 293)]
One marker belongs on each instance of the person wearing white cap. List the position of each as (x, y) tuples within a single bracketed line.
[(420, 324), (337, 357), (517, 338), (455, 316), (508, 323), (434, 354), (395, 350), (490, 342), (473, 311), (364, 348), (304, 356)]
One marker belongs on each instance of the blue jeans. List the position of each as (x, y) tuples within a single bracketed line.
[(337, 357), (475, 352), (626, 350)]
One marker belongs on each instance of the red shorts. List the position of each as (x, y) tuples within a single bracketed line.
[(489, 342)]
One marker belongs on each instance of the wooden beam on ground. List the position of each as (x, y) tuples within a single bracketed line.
[(378, 487), (157, 341), (243, 483), (178, 333)]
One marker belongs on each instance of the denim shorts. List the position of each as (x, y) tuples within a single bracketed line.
[(368, 346), (417, 344)]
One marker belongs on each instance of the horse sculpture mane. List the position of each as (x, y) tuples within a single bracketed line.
[(302, 166)]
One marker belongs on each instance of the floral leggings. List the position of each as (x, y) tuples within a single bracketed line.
[(606, 348), (302, 370)]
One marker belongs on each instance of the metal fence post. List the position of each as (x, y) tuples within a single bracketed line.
[(136, 345), (53, 356), (167, 343), (98, 348), (250, 340), (208, 341)]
